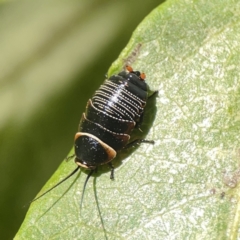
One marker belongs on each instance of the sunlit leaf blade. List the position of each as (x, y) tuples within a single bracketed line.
[(53, 55), (184, 186)]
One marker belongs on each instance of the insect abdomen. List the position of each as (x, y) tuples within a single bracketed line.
[(111, 115)]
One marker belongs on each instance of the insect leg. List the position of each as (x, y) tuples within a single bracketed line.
[(153, 94), (137, 142), (69, 157), (112, 170)]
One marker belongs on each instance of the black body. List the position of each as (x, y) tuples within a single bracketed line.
[(112, 113)]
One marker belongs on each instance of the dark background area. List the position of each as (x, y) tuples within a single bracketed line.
[(37, 130)]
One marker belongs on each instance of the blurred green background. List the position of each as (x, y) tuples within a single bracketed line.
[(53, 55)]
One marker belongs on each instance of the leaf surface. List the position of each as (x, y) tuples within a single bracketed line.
[(185, 186)]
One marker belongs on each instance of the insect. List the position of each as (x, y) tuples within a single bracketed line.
[(115, 109)]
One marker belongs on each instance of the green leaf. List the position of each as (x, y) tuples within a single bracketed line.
[(184, 186), (53, 56)]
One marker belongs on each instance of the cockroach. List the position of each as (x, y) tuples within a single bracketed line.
[(115, 109)]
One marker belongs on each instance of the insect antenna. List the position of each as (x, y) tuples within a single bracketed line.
[(63, 180), (84, 187)]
